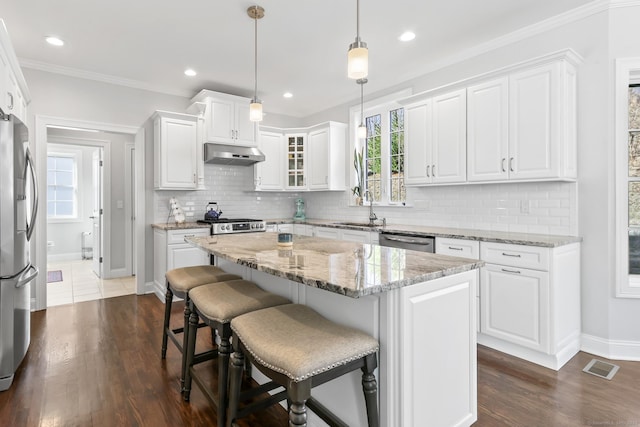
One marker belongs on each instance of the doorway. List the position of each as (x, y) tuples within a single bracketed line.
[(115, 266)]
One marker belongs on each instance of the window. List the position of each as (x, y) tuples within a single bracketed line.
[(385, 155), (62, 186), (627, 149)]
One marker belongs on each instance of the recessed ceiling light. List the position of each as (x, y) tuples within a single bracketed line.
[(287, 95), (189, 72), (54, 41), (407, 36)]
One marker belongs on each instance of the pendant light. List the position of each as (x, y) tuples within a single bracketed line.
[(255, 108), (362, 129), (358, 56)]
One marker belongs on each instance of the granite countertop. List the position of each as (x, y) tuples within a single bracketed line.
[(530, 239), (173, 226), (346, 268)]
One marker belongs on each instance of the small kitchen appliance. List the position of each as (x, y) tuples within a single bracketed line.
[(299, 215), (212, 212)]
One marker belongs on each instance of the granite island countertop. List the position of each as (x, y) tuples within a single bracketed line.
[(346, 268), (182, 226)]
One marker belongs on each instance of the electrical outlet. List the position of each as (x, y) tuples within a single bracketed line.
[(525, 206)]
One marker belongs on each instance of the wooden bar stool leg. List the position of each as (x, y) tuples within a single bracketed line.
[(224, 351), (168, 299), (185, 338), (235, 384), (190, 352), (298, 393), (370, 388)]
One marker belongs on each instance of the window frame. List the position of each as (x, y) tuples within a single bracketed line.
[(76, 155), (627, 73), (383, 106)]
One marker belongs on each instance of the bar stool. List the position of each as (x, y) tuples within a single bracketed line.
[(179, 282), (299, 350), (217, 304)]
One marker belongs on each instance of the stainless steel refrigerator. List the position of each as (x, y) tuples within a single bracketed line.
[(18, 208)]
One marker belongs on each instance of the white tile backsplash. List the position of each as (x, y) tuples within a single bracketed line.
[(552, 205)]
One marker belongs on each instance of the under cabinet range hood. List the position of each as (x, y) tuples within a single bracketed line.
[(222, 154)]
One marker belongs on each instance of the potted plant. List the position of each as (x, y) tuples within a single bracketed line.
[(358, 164)]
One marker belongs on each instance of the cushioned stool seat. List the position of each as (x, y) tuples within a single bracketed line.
[(300, 349), (217, 304), (179, 282)]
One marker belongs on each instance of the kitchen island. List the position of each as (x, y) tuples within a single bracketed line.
[(420, 306)]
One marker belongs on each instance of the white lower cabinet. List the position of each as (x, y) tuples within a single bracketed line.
[(515, 305), (530, 301), (357, 236), (171, 251)]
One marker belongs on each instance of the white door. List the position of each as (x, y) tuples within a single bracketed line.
[(269, 174), (219, 121), (245, 128), (97, 212)]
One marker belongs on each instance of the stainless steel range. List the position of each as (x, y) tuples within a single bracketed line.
[(232, 225)]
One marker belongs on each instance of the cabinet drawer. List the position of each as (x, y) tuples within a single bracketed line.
[(458, 247), (533, 257), (177, 236)]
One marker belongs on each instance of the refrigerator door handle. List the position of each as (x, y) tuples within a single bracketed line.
[(34, 210), (28, 275)]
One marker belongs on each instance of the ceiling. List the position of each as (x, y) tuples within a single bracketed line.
[(302, 45)]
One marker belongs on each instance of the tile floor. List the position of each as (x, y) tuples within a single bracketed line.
[(79, 283)]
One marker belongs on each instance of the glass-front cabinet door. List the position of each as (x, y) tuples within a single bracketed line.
[(296, 161)]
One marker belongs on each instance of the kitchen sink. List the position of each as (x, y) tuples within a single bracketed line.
[(358, 224)]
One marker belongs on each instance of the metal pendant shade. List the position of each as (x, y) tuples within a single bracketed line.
[(255, 108), (358, 56)]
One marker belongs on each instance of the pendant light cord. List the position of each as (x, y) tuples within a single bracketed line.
[(362, 104), (255, 20), (358, 20)]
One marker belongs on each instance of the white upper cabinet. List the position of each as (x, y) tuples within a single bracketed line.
[(269, 175), (488, 131), (418, 143), (436, 140), (517, 124), (226, 118), (326, 149), (542, 124), (14, 95), (449, 151), (300, 159), (175, 151)]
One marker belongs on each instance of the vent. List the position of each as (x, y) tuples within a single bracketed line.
[(601, 369)]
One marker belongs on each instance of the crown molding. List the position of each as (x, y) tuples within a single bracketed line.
[(104, 78), (624, 3)]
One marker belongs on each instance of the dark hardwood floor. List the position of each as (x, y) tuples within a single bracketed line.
[(98, 363)]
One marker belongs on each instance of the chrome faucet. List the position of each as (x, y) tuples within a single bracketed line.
[(372, 216)]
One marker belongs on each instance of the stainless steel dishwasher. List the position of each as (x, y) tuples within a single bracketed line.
[(407, 241)]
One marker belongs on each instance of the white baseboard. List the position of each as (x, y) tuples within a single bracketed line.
[(148, 288), (611, 349), (33, 304)]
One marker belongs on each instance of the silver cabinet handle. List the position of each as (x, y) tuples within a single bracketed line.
[(503, 160), (428, 166), (455, 249), (511, 164), (506, 270), (512, 255), (11, 96), (433, 170)]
